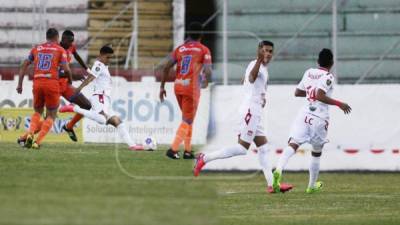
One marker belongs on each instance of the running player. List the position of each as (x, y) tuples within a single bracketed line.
[(191, 58), (311, 124), (251, 122), (66, 89), (47, 58), (101, 100)]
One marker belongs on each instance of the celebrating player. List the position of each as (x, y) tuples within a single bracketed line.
[(191, 58), (101, 100), (47, 58), (251, 123), (311, 124), (66, 89)]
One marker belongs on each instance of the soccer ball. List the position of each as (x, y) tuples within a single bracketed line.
[(150, 144)]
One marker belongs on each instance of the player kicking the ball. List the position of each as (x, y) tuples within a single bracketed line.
[(101, 99), (311, 123), (251, 122)]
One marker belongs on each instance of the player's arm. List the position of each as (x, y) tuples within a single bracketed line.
[(256, 68), (207, 72), (170, 63), (300, 93), (80, 60), (85, 82), (21, 74), (67, 71), (322, 97)]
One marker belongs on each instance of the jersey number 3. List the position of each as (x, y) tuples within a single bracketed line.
[(44, 61), (185, 65)]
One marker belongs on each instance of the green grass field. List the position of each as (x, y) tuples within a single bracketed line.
[(86, 184)]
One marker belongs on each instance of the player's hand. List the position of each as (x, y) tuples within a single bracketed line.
[(163, 94), (19, 89), (261, 55), (346, 108)]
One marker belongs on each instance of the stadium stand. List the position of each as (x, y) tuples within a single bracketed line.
[(365, 33), (95, 23), (155, 29)]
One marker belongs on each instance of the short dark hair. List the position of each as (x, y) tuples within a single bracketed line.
[(106, 49), (51, 33), (265, 43), (195, 30), (325, 58), (68, 33)]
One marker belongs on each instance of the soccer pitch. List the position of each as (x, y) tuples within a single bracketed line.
[(86, 184)]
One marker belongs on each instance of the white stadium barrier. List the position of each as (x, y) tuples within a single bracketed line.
[(367, 139)]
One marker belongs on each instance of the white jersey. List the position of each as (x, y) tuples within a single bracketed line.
[(102, 83), (314, 79), (254, 93)]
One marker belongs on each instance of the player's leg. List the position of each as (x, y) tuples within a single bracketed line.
[(80, 100), (52, 101), (319, 132), (181, 133), (97, 103), (38, 106), (122, 130), (263, 150), (299, 134), (247, 133), (189, 114)]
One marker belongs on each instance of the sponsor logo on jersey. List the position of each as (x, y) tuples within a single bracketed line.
[(184, 49)]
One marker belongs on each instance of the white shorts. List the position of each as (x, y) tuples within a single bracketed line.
[(310, 129), (250, 126), (100, 103)]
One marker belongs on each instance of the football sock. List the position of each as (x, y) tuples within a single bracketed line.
[(238, 149), (124, 134), (46, 126), (70, 125), (35, 119), (314, 171), (25, 135), (263, 152), (188, 139), (180, 135), (101, 119), (39, 126), (286, 154)]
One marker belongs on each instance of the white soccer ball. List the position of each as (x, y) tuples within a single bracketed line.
[(150, 144)]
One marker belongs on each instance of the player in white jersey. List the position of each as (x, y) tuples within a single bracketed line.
[(311, 123), (101, 99), (251, 111)]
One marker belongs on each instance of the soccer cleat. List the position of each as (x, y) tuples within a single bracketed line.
[(21, 141), (66, 108), (277, 181), (29, 141), (136, 148), (283, 188), (188, 155), (317, 188), (35, 145), (173, 155), (71, 133), (199, 164)]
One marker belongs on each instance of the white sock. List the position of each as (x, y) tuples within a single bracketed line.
[(238, 149), (263, 152), (101, 119), (124, 134), (314, 171), (283, 160)]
